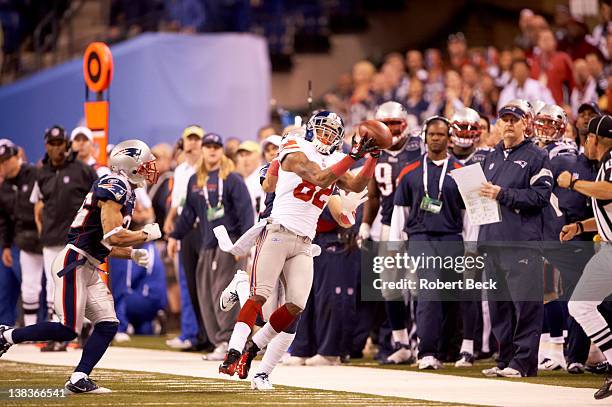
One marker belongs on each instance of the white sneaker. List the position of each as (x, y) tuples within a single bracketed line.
[(320, 360), (234, 290), (261, 381), (549, 365), (491, 372), (294, 361), (402, 355), (121, 337), (509, 372), (218, 353), (466, 360), (178, 343), (429, 363)]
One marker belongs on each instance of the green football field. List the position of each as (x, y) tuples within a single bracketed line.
[(154, 389)]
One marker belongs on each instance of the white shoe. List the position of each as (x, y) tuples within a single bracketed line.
[(429, 363), (402, 355), (320, 360), (178, 343), (466, 360), (491, 372), (549, 364), (509, 372), (121, 337), (236, 288), (294, 361), (261, 381), (218, 353)]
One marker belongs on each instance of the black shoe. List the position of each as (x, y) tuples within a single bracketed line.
[(575, 368), (483, 355), (599, 368), (244, 365), (4, 344), (230, 363), (606, 388), (85, 385)]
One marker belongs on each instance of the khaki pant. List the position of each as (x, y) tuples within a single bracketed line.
[(281, 254)]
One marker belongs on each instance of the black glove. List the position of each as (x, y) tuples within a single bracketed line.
[(362, 147)]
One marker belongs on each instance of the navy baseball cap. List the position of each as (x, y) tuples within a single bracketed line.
[(513, 110), (590, 105), (601, 126), (212, 138), (55, 133)]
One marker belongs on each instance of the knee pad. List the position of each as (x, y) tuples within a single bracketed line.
[(107, 329)]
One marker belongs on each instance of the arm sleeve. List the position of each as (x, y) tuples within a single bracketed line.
[(184, 223), (536, 195), (242, 202)]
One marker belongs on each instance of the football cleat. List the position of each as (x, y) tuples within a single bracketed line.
[(4, 344), (599, 368), (244, 364), (466, 360), (550, 365), (606, 388), (231, 294), (429, 363), (491, 372), (261, 382), (401, 355), (509, 372), (230, 363), (85, 386), (575, 368)]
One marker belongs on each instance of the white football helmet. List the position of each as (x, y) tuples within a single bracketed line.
[(550, 124), (465, 127), (395, 116), (134, 160)]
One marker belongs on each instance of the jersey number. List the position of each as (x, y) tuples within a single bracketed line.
[(308, 192), (81, 215), (384, 178)]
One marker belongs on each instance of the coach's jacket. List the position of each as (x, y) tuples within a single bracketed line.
[(17, 215), (524, 175), (239, 216)]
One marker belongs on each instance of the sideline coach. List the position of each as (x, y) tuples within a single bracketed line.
[(519, 177)]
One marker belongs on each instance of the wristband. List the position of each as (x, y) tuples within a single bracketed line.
[(580, 227), (368, 169), (342, 166), (572, 183), (274, 166)]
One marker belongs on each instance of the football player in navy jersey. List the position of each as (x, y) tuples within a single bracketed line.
[(465, 136), (99, 229), (381, 190)]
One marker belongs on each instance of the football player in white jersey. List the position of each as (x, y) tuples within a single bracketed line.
[(308, 170)]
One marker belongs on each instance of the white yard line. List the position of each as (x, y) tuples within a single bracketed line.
[(383, 382)]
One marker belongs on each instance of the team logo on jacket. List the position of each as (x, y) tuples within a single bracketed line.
[(66, 179), (24, 188), (522, 163)]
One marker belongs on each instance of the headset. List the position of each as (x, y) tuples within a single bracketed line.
[(433, 119)]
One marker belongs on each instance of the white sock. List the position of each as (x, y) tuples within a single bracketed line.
[(264, 336), (555, 352), (29, 319), (76, 376), (608, 355), (275, 351), (8, 336), (467, 345), (401, 336), (243, 291), (239, 336)]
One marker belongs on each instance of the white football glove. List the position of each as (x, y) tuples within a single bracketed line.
[(152, 230), (350, 201), (364, 231), (140, 257)]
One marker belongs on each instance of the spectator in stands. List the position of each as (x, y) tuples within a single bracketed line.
[(217, 196), (457, 51), (599, 36), (161, 192), (248, 165), (585, 89), (552, 67), (503, 76), (471, 94), (416, 104), (231, 148), (485, 131), (489, 95), (434, 86), (523, 87), (262, 134), (361, 102), (576, 44), (586, 112), (416, 67), (524, 39), (596, 68)]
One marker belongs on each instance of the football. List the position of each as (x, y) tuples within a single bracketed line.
[(378, 131)]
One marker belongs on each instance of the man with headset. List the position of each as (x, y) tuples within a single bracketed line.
[(61, 185), (428, 209)]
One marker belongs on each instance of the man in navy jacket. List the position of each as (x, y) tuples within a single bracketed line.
[(519, 177)]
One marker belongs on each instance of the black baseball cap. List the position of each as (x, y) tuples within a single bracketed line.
[(7, 150), (212, 138), (56, 132), (513, 110), (590, 105), (601, 126)]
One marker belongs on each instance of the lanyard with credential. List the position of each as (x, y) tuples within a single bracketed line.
[(441, 182), (205, 192)]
